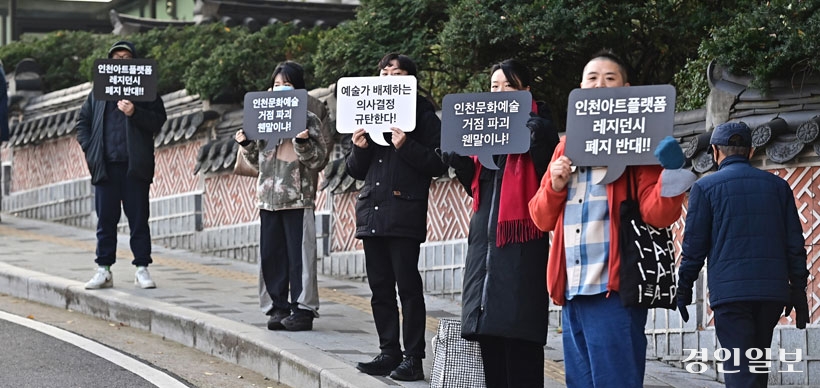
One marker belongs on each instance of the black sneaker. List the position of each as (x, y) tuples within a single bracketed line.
[(275, 320), (409, 370), (300, 320), (380, 366)]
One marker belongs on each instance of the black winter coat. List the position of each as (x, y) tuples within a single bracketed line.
[(140, 129), (393, 201), (505, 292)]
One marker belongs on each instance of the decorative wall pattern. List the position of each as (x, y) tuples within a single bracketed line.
[(50, 162), (449, 212), (448, 216), (344, 223), (174, 167), (803, 181), (228, 200)]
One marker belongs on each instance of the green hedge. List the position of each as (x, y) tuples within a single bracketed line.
[(454, 44), (212, 60)]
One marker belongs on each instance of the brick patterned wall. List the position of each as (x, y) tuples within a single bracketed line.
[(50, 162), (804, 184), (229, 200), (448, 216), (174, 169)]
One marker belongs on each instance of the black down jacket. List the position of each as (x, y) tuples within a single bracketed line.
[(140, 129), (393, 200)]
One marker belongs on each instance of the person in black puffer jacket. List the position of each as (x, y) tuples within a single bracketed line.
[(117, 138), (391, 220)]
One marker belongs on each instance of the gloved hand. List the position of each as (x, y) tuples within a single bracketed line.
[(670, 154), (684, 298), (800, 302), (538, 126), (454, 160)]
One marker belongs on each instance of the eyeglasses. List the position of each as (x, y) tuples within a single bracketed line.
[(124, 56)]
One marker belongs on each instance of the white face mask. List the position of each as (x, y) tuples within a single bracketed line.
[(282, 88)]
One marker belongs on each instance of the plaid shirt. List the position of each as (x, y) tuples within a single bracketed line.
[(586, 233)]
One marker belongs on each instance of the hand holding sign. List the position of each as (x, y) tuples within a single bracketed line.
[(618, 127), (274, 115), (376, 104), (486, 124)]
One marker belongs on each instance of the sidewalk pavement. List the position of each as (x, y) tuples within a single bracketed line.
[(211, 304)]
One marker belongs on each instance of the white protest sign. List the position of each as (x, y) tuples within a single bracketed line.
[(376, 104)]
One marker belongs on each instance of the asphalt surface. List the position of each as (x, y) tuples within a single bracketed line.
[(32, 358), (211, 304)]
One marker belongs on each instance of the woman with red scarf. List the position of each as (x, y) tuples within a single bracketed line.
[(504, 299)]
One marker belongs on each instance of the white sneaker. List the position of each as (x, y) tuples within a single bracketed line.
[(103, 278), (143, 279)]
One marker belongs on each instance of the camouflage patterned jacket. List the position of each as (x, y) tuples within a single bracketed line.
[(289, 173)]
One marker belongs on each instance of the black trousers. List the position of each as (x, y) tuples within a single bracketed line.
[(280, 255), (512, 363), (742, 326), (392, 262), (120, 193)]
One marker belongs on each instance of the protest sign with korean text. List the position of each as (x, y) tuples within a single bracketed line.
[(486, 124), (376, 104), (272, 116), (618, 127), (125, 79)]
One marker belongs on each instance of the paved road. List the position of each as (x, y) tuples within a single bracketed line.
[(211, 304), (38, 355)]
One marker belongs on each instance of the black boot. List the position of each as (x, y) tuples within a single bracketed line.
[(300, 320), (275, 320), (409, 370), (380, 366)]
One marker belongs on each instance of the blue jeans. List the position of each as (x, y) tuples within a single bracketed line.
[(113, 196), (604, 342)]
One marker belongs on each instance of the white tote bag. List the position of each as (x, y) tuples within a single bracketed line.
[(457, 362)]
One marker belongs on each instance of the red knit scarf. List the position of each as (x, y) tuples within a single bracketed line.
[(518, 186)]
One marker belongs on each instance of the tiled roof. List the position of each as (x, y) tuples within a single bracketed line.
[(783, 120), (256, 13), (127, 24), (219, 154), (55, 114)]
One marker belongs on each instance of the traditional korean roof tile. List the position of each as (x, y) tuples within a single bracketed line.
[(55, 114), (783, 120), (256, 13), (125, 24)]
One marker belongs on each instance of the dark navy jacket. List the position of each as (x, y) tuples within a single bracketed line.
[(140, 129), (746, 222)]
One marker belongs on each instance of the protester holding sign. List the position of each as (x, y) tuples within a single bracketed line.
[(391, 220), (505, 302), (604, 341), (117, 138), (288, 175)]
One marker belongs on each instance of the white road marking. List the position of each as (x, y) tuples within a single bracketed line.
[(154, 376)]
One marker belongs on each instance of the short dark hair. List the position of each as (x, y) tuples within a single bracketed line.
[(609, 55), (730, 150), (291, 72), (517, 74), (405, 63)]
